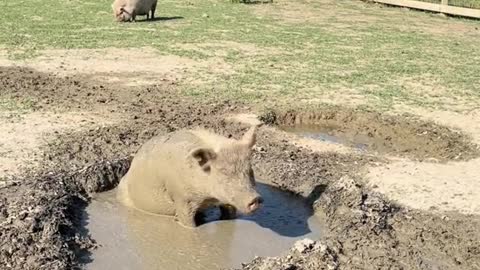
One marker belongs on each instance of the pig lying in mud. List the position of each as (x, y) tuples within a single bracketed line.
[(127, 10), (185, 172)]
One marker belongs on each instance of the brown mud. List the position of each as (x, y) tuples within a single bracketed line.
[(129, 239), (40, 209), (404, 136)]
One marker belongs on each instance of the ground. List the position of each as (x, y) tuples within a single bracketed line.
[(80, 93)]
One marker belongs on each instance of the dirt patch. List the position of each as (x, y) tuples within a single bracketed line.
[(46, 91), (428, 186), (467, 121), (22, 136), (392, 135), (435, 187), (39, 212), (143, 66)]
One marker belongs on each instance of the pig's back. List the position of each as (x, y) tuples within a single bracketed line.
[(144, 6), (179, 142), (159, 161), (164, 157)]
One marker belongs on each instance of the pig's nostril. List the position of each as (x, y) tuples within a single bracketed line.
[(255, 203)]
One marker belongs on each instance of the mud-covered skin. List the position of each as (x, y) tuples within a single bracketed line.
[(127, 10), (189, 171), (365, 230)]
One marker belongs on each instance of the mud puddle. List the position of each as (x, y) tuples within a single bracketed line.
[(330, 134), (130, 239), (403, 136), (365, 230)]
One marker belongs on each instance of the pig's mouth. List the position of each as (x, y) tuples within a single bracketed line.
[(124, 15)]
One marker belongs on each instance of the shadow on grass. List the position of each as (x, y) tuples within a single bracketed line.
[(253, 2), (160, 19)]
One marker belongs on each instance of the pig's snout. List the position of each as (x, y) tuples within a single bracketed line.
[(254, 204)]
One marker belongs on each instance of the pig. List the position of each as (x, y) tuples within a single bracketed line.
[(183, 173), (127, 10)]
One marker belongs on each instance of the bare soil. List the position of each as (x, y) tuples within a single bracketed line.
[(41, 206), (21, 136), (134, 66)]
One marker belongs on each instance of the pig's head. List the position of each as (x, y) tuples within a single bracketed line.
[(122, 12), (228, 173)]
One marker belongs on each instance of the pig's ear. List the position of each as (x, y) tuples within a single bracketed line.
[(204, 157), (250, 137)]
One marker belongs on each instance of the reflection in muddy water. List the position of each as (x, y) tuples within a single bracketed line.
[(331, 134), (131, 239)]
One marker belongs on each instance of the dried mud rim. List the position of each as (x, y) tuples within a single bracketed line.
[(403, 136), (39, 215)]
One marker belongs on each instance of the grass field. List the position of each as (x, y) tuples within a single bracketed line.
[(465, 3), (306, 51), (458, 3)]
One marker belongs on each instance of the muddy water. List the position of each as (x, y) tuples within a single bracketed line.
[(332, 135), (130, 239)]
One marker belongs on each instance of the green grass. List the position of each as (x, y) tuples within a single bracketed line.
[(465, 3), (459, 3), (369, 50), (10, 104), (12, 109)]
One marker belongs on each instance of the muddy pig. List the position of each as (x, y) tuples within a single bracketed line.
[(183, 173), (127, 10)]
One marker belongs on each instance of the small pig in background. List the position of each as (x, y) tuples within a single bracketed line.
[(127, 10)]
